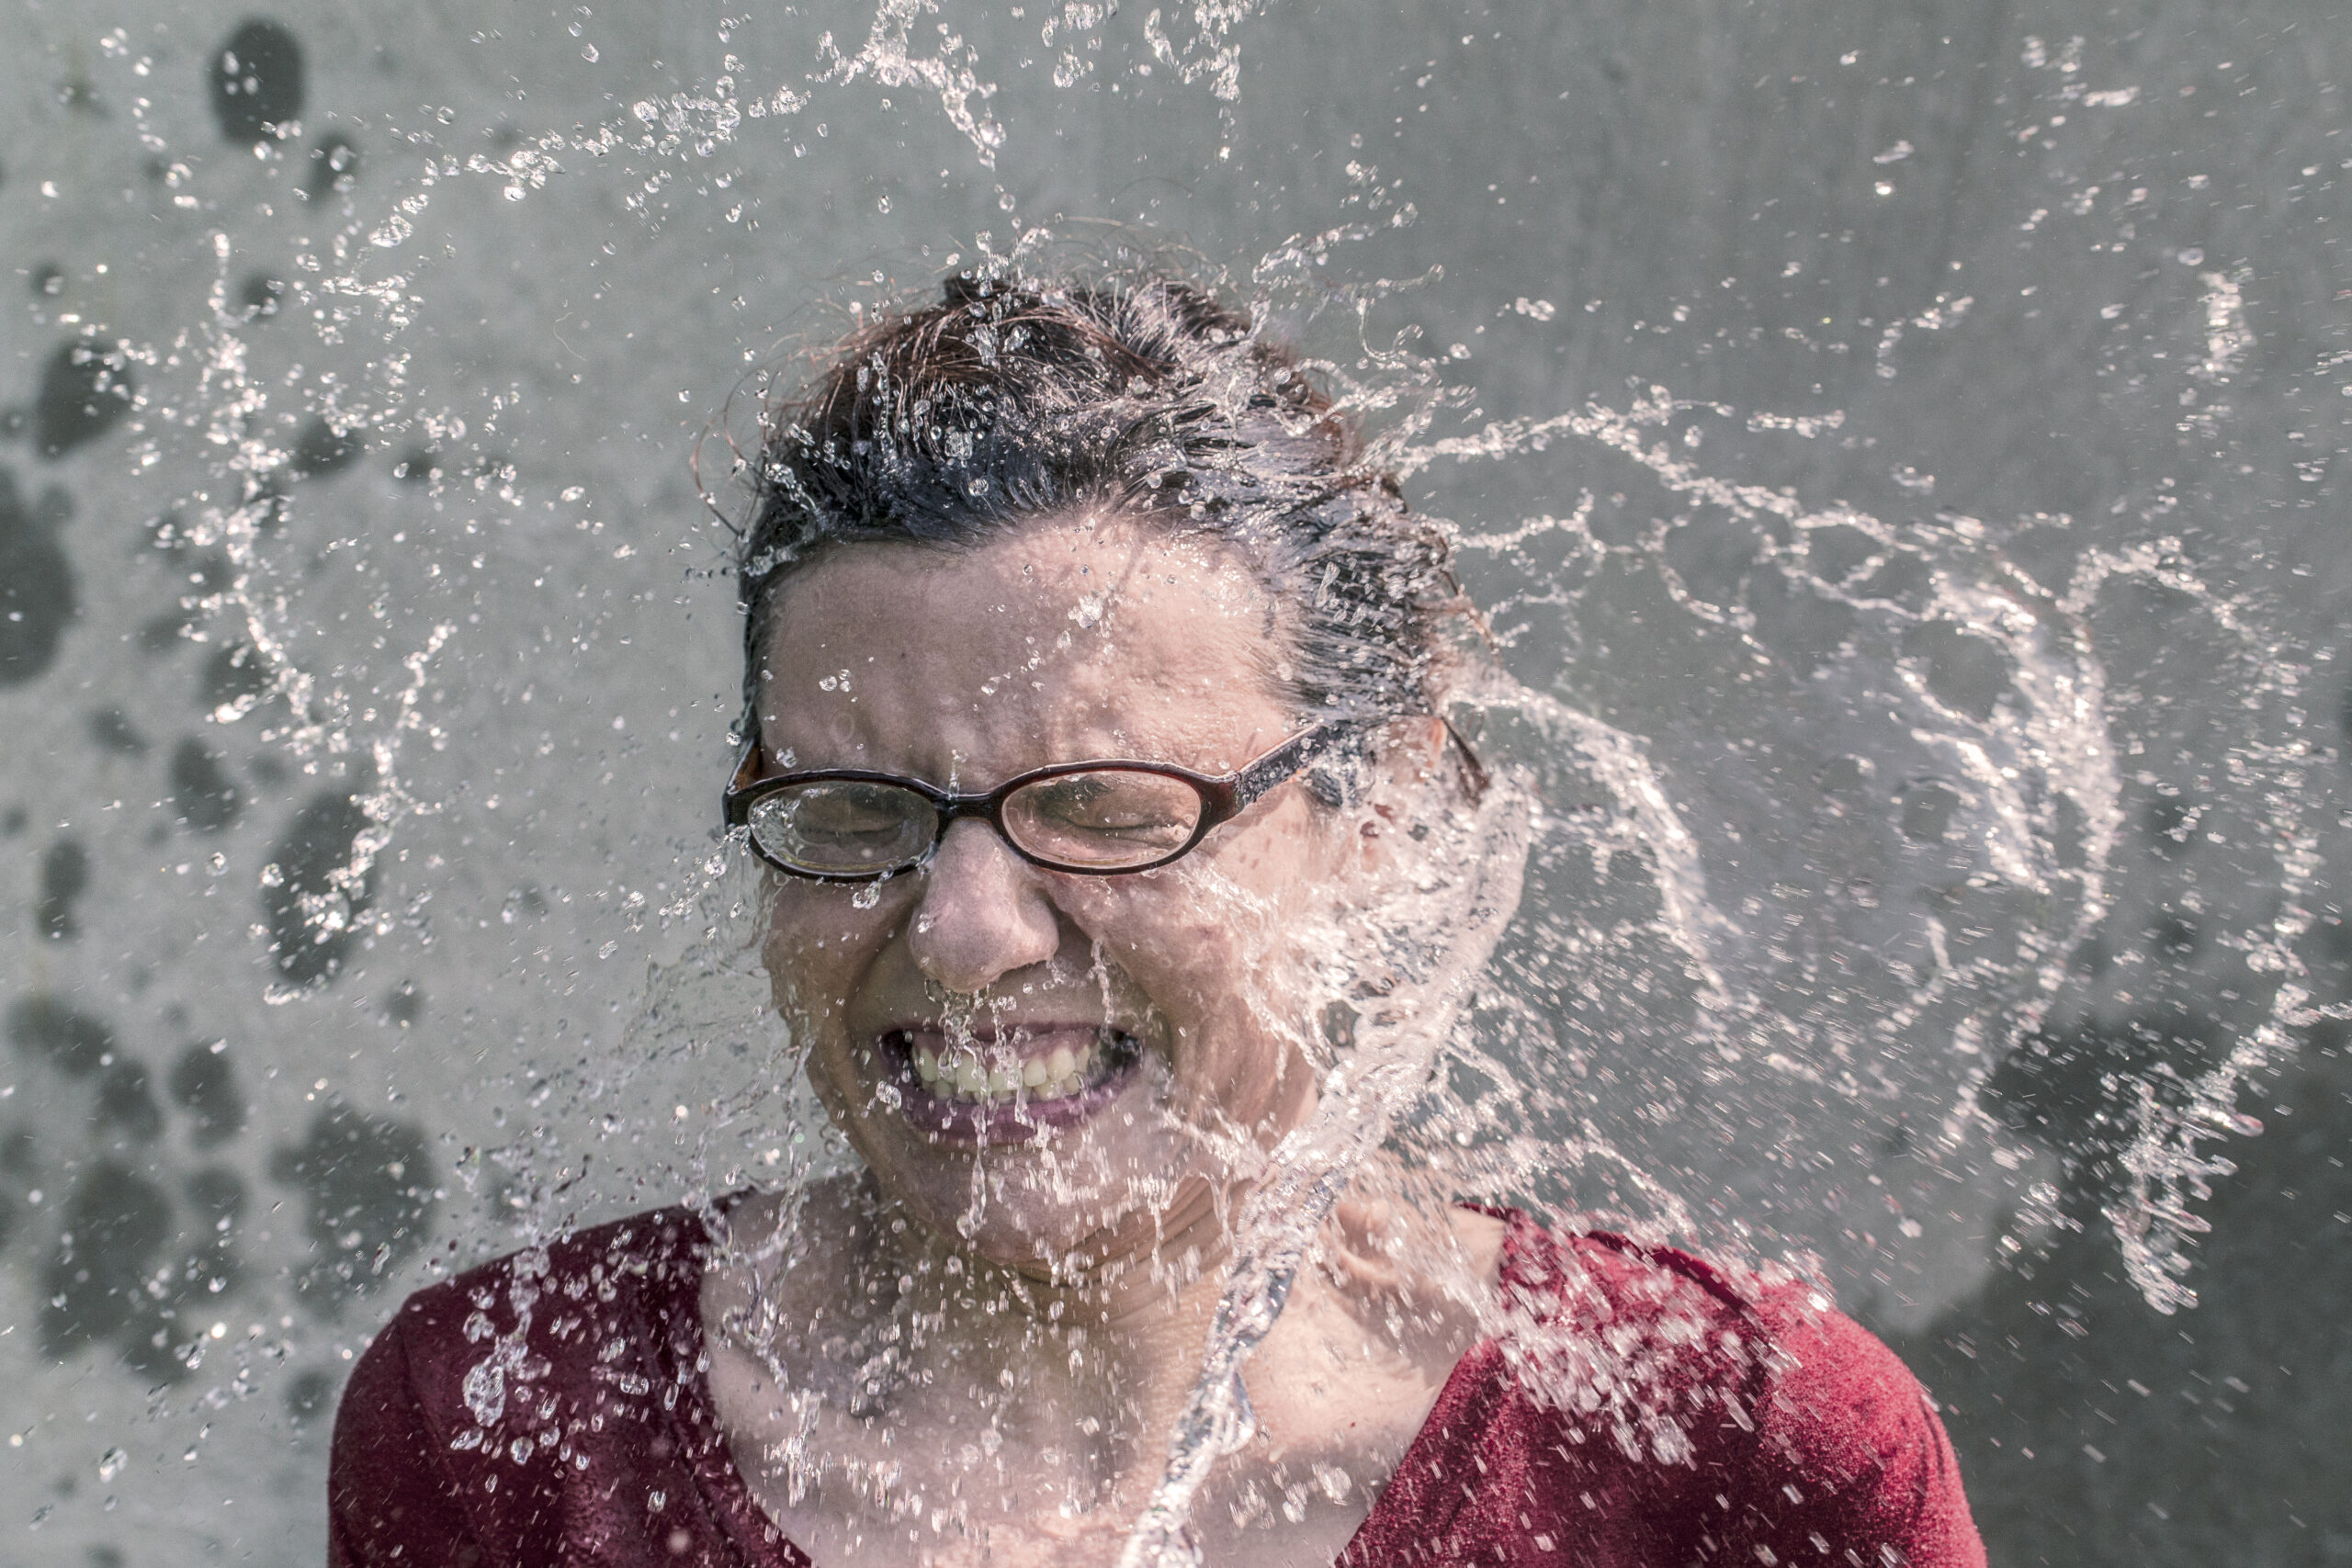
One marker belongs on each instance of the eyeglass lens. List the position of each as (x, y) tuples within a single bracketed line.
[(1106, 818)]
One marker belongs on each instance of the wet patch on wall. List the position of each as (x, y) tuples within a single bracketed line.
[(37, 596), (257, 82), (311, 898), (322, 449), (334, 167), (46, 1030), (259, 295), (234, 681), (371, 1200), (86, 390), (126, 1111), (65, 877), (203, 796), (117, 1223), (112, 731), (204, 1084), (310, 1396)]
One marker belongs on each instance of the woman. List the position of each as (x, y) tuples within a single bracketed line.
[(1118, 847)]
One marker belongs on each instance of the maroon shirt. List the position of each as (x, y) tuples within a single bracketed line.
[(552, 1407)]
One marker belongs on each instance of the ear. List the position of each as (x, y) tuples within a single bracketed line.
[(1412, 748), (1407, 752)]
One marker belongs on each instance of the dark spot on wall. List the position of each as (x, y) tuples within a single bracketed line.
[(419, 464), (165, 632), (2330, 944), (1800, 626), (1845, 781), (112, 729), (334, 166), (12, 821), (85, 389), (370, 1196), (213, 572), (164, 1338), (405, 1004), (126, 1105), (322, 449), (309, 1395), (116, 1222), (48, 279), (204, 1084), (202, 793), (1927, 807), (154, 1347), (310, 894), (237, 677), (36, 581), (1967, 672), (2169, 822), (260, 295), (2175, 936), (2077, 1088), (65, 876), (104, 1557), (257, 82), (216, 1196), (71, 1041)]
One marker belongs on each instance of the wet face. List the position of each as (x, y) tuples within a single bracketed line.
[(1069, 1073)]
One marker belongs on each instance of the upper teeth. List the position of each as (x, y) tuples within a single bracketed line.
[(963, 1075)]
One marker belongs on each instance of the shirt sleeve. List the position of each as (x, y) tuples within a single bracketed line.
[(389, 1498), (1852, 1466)]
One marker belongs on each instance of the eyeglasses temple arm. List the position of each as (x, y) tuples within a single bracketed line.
[(747, 773), (1282, 762)]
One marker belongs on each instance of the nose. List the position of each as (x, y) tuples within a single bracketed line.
[(983, 913)]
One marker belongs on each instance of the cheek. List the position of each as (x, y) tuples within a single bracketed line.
[(817, 947), (1197, 945)]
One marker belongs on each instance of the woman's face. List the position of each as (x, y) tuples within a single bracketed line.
[(1060, 1069)]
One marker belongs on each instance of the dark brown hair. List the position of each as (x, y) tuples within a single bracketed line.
[(1008, 401)]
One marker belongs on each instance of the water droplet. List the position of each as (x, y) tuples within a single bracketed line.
[(485, 1391)]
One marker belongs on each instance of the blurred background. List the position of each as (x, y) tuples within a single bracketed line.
[(367, 650)]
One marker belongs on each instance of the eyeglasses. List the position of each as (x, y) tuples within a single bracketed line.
[(1096, 818)]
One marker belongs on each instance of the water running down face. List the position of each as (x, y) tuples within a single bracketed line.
[(1069, 1072)]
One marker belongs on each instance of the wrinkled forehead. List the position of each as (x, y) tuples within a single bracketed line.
[(1066, 639)]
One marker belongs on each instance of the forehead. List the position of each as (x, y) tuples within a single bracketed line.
[(1070, 637)]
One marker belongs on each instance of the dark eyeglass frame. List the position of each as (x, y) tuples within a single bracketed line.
[(1222, 797)]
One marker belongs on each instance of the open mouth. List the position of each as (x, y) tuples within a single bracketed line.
[(1007, 1086)]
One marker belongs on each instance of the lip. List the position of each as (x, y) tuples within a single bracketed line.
[(1021, 1119)]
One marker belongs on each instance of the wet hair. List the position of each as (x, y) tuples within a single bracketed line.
[(957, 423)]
